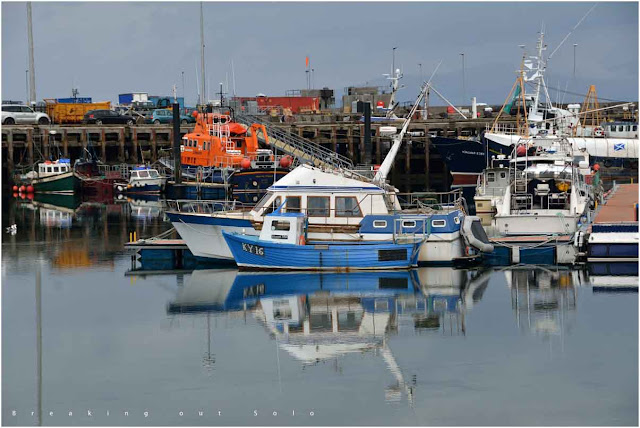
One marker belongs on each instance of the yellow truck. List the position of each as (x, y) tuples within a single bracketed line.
[(71, 112)]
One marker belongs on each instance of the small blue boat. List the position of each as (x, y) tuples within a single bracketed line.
[(281, 245)]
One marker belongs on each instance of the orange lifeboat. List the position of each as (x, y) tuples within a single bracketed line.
[(217, 141)]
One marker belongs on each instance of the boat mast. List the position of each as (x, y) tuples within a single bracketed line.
[(32, 70), (202, 71), (533, 114), (395, 77)]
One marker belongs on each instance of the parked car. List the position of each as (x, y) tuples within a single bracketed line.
[(166, 116), (107, 117), (18, 114)]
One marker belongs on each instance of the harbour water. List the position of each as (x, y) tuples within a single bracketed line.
[(82, 334)]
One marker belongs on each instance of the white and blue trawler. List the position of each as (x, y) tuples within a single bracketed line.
[(340, 206), (338, 209), (282, 245)]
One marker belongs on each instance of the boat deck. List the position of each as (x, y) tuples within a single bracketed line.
[(620, 207), (156, 244), (532, 239)]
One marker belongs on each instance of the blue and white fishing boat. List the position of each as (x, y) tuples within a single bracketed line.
[(340, 206), (282, 245), (143, 179)]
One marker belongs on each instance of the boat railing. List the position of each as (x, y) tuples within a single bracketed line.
[(116, 171), (431, 201), (189, 206), (504, 128), (420, 230), (306, 151)]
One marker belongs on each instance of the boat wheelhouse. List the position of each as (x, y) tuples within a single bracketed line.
[(143, 179), (547, 193)]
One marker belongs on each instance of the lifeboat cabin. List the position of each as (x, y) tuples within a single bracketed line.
[(217, 141)]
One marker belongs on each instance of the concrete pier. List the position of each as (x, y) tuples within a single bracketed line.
[(418, 166)]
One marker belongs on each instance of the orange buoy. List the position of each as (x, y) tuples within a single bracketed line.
[(29, 189), (15, 188), (30, 196), (285, 161), (596, 167), (195, 113), (521, 150), (245, 163), (22, 188), (15, 194)]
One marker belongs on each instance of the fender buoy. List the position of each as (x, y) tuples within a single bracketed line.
[(301, 241)]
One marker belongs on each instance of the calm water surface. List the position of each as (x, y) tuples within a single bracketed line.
[(436, 346)]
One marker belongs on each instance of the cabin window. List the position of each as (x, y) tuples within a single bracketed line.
[(635, 127), (620, 128), (134, 174), (143, 174), (491, 177), (273, 206), (293, 204), (318, 206), (48, 169), (347, 206), (409, 223), (439, 223), (628, 127), (379, 224), (56, 169), (263, 201), (503, 174), (280, 225), (153, 174)]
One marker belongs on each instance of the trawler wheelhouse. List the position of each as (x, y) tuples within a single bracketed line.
[(48, 168)]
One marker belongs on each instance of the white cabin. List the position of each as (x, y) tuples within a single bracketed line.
[(49, 168)]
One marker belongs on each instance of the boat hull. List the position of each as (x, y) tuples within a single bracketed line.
[(203, 235), (250, 252), (541, 224), (67, 183)]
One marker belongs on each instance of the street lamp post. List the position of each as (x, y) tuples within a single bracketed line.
[(393, 62), (464, 91), (574, 59)]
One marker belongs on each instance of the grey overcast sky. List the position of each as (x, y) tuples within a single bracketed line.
[(110, 48)]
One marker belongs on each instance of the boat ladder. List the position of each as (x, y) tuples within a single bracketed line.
[(304, 150)]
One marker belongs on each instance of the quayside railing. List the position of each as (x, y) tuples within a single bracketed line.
[(304, 150)]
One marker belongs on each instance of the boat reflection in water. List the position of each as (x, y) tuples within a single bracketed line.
[(145, 207), (544, 299), (320, 318)]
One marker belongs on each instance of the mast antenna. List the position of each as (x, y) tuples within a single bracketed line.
[(572, 30)]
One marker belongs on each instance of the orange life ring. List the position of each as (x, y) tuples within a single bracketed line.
[(301, 241)]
